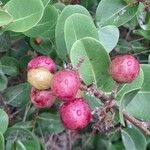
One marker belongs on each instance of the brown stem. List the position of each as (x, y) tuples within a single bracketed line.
[(136, 122), (114, 90)]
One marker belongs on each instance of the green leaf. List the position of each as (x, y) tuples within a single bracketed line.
[(47, 23), (3, 121), (45, 2), (4, 42), (78, 26), (114, 12), (127, 92), (45, 47), (5, 18), (25, 13), (49, 123), (59, 33), (139, 106), (10, 65), (2, 142), (96, 61), (133, 139), (108, 37), (3, 81), (17, 96), (27, 140)]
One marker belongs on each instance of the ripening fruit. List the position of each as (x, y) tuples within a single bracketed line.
[(42, 99), (40, 78), (124, 68), (75, 114), (65, 84), (42, 61)]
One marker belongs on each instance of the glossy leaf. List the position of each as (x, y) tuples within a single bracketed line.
[(108, 37), (59, 33), (133, 139), (96, 61), (47, 23), (25, 13), (115, 12), (17, 96), (3, 121), (78, 26), (5, 18)]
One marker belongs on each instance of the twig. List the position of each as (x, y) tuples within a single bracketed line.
[(114, 91), (91, 89), (111, 104), (26, 112), (136, 122), (34, 121)]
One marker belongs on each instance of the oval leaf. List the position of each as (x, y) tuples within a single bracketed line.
[(115, 12), (59, 33), (17, 96), (3, 81), (139, 106), (49, 123), (47, 23), (127, 92), (26, 138), (78, 26), (108, 37), (96, 61), (2, 142), (3, 121), (133, 139), (25, 13)]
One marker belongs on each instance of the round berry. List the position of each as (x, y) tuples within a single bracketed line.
[(40, 78), (65, 84), (124, 68), (42, 99), (42, 61), (75, 114)]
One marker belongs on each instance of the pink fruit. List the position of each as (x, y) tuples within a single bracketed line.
[(124, 68), (65, 84), (75, 114), (42, 61), (42, 99)]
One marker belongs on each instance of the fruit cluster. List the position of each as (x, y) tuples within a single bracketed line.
[(49, 84)]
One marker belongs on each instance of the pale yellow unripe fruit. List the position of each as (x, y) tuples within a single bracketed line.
[(40, 78)]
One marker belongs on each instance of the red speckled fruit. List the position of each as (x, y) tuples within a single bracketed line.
[(75, 114), (65, 84), (42, 99), (42, 61), (124, 68)]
